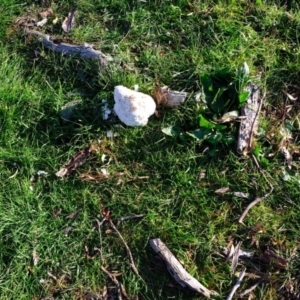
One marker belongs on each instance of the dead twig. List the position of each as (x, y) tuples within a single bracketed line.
[(126, 246), (237, 285), (114, 280), (257, 199), (119, 220), (250, 289)]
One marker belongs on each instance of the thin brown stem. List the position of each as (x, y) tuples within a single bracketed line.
[(126, 246), (114, 280)]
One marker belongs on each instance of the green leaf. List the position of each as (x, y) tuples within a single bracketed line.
[(214, 138), (200, 134), (256, 151), (204, 123), (171, 130), (243, 97), (220, 127), (228, 140), (245, 71), (212, 151)]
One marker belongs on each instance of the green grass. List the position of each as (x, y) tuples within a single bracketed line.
[(152, 42)]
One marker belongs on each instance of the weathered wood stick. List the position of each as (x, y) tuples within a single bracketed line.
[(84, 51), (176, 269), (248, 127)]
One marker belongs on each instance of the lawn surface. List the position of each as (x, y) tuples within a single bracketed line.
[(171, 180)]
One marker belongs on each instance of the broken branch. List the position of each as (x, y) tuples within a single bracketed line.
[(176, 269), (84, 51)]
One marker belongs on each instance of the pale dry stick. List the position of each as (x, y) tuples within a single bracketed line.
[(237, 284), (114, 280), (126, 246), (250, 289), (177, 271)]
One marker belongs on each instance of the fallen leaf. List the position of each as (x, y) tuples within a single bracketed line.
[(291, 97), (76, 161), (241, 195), (230, 116), (202, 175), (41, 172), (269, 257), (72, 215), (67, 230), (104, 172), (230, 253), (46, 13), (90, 296), (69, 21), (106, 213), (35, 257), (235, 257), (222, 190), (287, 155), (57, 212), (42, 23), (166, 97), (55, 21)]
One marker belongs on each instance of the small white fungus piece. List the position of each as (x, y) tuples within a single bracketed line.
[(133, 108)]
